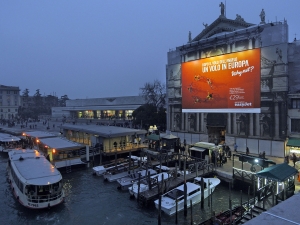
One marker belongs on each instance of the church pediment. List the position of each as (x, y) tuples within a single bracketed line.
[(222, 25)]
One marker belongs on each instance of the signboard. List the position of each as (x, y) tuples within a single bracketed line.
[(226, 83)]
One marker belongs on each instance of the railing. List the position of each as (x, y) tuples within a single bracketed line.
[(44, 198), (243, 173)]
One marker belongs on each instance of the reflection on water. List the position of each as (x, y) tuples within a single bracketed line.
[(90, 200)]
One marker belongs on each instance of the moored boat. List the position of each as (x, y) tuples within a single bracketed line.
[(144, 184), (126, 182), (168, 200), (35, 182)]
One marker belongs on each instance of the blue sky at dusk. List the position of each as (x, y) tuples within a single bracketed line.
[(109, 48)]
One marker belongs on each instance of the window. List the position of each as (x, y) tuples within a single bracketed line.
[(8, 102), (7, 92), (8, 110), (295, 125), (16, 110), (1, 110), (16, 103), (295, 103), (16, 92)]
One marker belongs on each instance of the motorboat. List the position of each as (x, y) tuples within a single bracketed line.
[(35, 182), (114, 167), (144, 183), (168, 200), (126, 182)]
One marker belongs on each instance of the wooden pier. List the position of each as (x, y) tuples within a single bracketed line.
[(172, 182)]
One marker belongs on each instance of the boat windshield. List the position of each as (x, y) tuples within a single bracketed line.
[(175, 193)]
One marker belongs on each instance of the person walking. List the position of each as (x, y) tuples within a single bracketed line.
[(247, 151), (294, 158), (235, 147)]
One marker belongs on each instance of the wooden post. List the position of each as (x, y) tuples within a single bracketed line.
[(241, 198), (185, 200), (230, 208), (176, 216), (100, 157), (116, 158), (159, 210), (176, 169), (248, 197), (208, 191), (129, 160), (211, 200), (191, 204), (139, 183), (184, 175), (202, 193), (162, 183)]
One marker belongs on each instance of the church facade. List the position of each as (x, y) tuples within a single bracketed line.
[(204, 96)]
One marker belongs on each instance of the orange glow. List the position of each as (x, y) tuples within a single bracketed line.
[(23, 134), (53, 150), (37, 141), (46, 146)]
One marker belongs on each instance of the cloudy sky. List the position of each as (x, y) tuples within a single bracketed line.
[(109, 48)]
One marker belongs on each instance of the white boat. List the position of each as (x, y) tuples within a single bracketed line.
[(115, 168), (9, 142), (126, 182), (35, 182), (168, 200), (144, 184)]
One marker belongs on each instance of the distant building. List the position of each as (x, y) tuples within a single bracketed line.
[(9, 102), (237, 82), (100, 108)]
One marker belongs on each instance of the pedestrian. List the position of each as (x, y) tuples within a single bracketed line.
[(264, 155), (235, 147), (221, 159), (294, 158), (247, 151)]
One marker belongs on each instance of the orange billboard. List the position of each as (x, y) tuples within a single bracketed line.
[(225, 83)]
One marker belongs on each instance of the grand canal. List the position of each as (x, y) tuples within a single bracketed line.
[(89, 200)]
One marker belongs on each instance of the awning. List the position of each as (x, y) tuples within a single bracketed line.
[(293, 142), (198, 149), (279, 172), (153, 137)]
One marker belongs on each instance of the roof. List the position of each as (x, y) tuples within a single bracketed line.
[(283, 213), (169, 136), (154, 137), (294, 142), (38, 134), (8, 137), (104, 131), (34, 169), (60, 143), (279, 172), (222, 25), (197, 149)]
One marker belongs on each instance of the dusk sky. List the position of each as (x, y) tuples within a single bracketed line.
[(109, 48)]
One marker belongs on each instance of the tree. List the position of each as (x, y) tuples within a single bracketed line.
[(63, 99), (154, 94)]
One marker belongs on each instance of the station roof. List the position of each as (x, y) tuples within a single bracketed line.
[(294, 142), (104, 131), (60, 143), (38, 134)]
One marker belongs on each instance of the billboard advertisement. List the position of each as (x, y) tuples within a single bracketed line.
[(225, 83)]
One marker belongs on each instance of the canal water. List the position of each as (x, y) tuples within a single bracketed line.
[(89, 200)]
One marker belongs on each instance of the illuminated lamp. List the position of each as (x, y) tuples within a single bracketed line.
[(46, 146), (23, 134), (53, 150), (37, 140)]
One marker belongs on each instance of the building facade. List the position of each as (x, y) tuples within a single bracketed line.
[(116, 108), (265, 128), (9, 102)]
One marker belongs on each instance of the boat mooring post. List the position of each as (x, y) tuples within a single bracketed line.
[(116, 158), (159, 210), (185, 199), (176, 216), (202, 193), (139, 183), (176, 169), (191, 204), (241, 198), (87, 153), (100, 151), (196, 168), (248, 196), (208, 191), (162, 183), (211, 200), (184, 171)]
